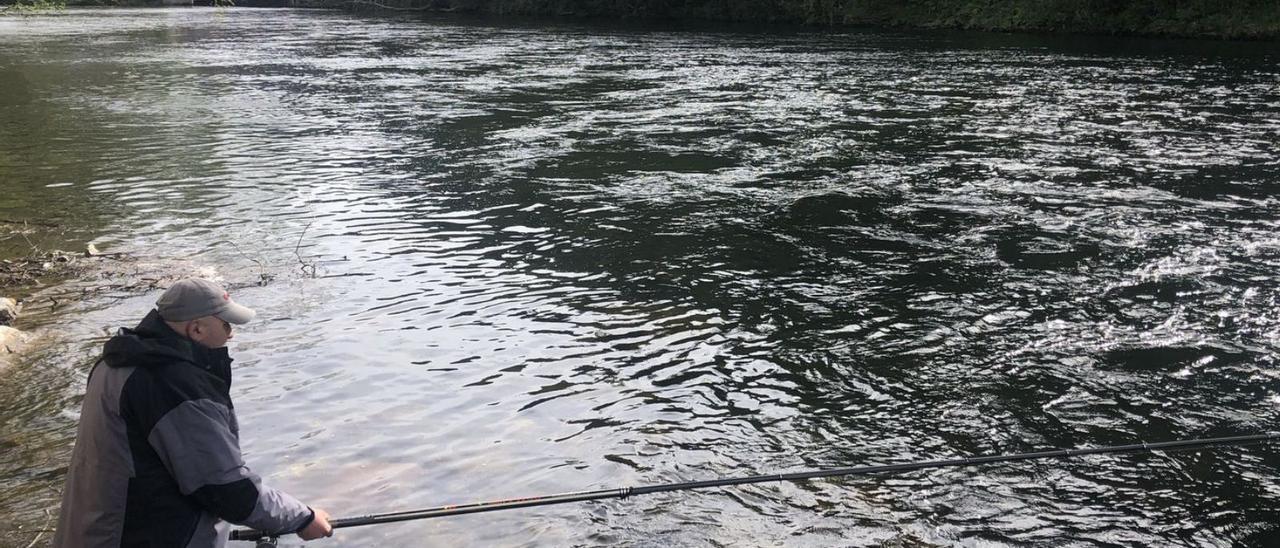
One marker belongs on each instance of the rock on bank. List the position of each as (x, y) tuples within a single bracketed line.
[(11, 340)]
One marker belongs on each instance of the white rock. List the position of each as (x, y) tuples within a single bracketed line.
[(11, 340)]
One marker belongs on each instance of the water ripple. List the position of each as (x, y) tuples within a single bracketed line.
[(513, 259)]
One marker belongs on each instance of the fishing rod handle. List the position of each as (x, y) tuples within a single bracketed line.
[(253, 535)]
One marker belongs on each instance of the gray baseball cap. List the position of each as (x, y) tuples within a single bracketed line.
[(196, 298)]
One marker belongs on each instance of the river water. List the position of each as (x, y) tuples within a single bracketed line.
[(504, 259)]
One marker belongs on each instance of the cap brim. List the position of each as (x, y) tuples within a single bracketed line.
[(236, 314)]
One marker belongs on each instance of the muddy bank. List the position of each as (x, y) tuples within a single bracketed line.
[(21, 277), (24, 274), (40, 285), (35, 254)]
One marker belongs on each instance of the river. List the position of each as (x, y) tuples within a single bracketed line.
[(495, 259)]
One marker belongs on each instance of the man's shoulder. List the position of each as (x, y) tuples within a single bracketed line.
[(169, 385)]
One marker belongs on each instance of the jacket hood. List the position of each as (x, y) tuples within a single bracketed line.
[(153, 343)]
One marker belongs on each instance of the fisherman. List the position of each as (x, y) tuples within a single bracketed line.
[(157, 456)]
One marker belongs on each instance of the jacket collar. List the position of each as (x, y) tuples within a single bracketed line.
[(154, 343)]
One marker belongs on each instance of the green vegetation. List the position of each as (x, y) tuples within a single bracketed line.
[(30, 7), (1258, 19), (1250, 19)]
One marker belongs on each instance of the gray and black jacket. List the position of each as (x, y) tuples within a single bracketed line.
[(157, 457)]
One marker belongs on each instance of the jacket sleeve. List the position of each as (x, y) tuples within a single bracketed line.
[(196, 442)]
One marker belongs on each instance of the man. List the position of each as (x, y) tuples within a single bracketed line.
[(157, 456)]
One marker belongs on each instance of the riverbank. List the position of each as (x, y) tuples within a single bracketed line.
[(1229, 19), (29, 275), (38, 280)]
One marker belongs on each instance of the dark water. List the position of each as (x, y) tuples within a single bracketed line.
[(556, 257)]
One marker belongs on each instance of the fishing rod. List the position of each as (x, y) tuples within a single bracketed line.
[(624, 492)]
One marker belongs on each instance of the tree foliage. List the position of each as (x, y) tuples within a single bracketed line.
[(31, 7), (1210, 18)]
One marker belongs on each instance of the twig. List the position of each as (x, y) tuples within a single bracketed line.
[(34, 249), (43, 529), (262, 267), (305, 266), (49, 236), (24, 222), (299, 244)]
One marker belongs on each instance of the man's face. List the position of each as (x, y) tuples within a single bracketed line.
[(210, 331)]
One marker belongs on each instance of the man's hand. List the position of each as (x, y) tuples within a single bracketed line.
[(318, 528)]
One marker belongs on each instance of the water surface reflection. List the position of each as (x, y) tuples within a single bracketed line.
[(557, 257)]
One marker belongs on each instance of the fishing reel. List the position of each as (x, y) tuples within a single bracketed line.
[(260, 540)]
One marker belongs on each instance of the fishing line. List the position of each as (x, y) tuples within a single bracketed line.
[(624, 492)]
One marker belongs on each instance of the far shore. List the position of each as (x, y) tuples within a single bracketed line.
[(1201, 19)]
